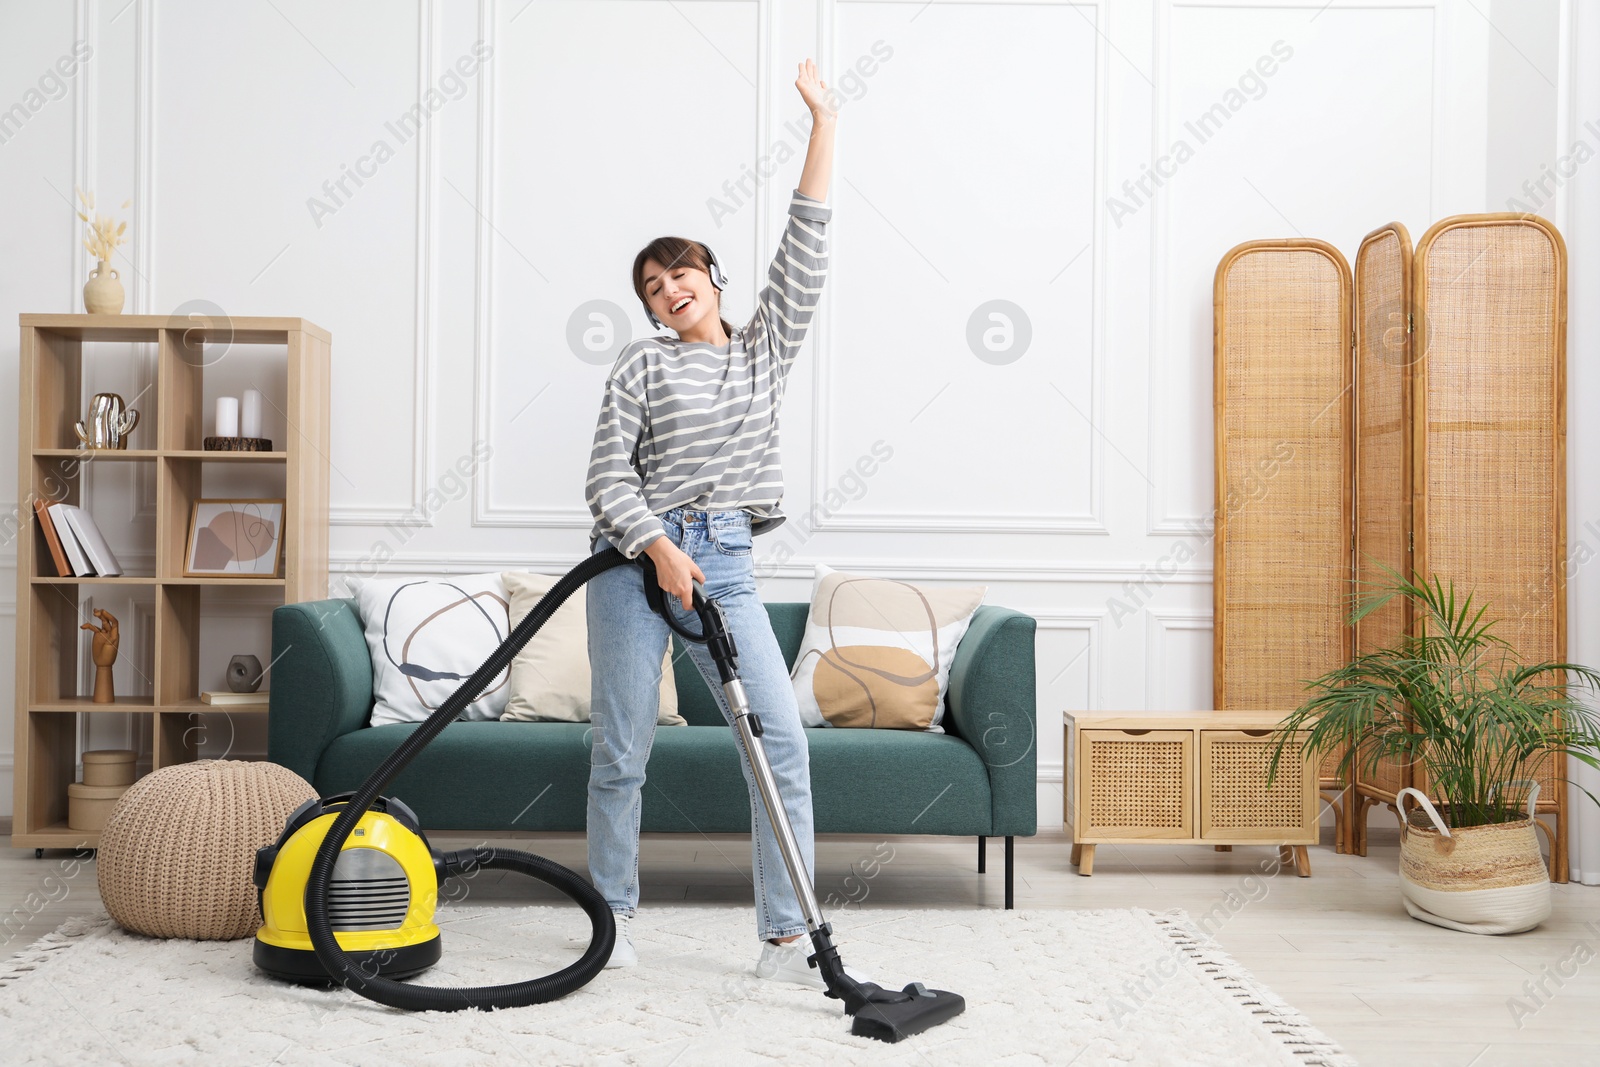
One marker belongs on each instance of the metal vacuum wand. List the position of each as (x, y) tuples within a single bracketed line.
[(885, 1014)]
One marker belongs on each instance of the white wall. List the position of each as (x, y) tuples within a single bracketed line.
[(1578, 213), (992, 153), (1523, 73)]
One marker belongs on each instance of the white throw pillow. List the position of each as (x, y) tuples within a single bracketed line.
[(427, 636), (550, 677), (876, 652)]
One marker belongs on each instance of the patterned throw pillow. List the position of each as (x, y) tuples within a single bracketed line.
[(876, 651), (427, 636), (550, 677)]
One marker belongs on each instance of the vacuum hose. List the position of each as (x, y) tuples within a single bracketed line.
[(364, 980)]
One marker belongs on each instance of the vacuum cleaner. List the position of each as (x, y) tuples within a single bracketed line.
[(348, 890)]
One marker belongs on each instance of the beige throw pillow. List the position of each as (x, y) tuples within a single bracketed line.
[(550, 676), (876, 652)]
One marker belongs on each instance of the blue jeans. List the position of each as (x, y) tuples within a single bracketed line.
[(626, 644)]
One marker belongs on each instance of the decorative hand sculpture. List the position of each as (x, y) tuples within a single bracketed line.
[(106, 637)]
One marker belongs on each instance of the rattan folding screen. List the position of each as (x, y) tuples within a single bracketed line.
[(1453, 456), (1383, 463), (1283, 411), (1489, 483)]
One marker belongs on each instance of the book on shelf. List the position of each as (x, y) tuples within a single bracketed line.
[(223, 696), (69, 542), (41, 508), (86, 549), (94, 545)]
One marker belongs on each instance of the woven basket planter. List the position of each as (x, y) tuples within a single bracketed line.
[(178, 851), (1478, 879)]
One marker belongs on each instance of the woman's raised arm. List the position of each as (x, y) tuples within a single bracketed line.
[(819, 149)]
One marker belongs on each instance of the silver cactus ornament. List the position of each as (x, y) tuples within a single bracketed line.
[(109, 422)]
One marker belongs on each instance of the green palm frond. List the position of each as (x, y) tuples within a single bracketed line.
[(1450, 697)]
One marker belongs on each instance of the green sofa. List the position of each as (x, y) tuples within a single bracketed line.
[(976, 779)]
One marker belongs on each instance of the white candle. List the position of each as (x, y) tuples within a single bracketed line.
[(250, 414), (227, 416)]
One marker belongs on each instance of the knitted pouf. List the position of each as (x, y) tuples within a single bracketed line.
[(177, 853)]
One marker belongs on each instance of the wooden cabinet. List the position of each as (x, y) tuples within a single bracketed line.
[(1201, 776), (51, 467)]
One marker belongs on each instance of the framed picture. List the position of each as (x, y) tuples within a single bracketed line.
[(234, 539)]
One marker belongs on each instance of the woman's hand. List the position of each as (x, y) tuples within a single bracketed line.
[(675, 571), (814, 91)]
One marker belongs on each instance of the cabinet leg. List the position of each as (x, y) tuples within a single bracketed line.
[(983, 865), (1285, 855), (1222, 848), (1086, 861), (1077, 853), (1302, 861), (38, 853)]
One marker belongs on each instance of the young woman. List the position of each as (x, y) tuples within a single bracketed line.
[(685, 468)]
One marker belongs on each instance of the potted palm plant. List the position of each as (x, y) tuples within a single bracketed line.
[(1452, 700)]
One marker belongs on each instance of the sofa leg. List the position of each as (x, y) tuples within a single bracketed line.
[(1010, 843), (983, 865)]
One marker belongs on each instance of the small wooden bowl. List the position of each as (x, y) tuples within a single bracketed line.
[(238, 444)]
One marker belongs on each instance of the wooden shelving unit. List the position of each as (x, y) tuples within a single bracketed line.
[(52, 399)]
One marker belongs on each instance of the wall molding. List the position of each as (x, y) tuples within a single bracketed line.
[(950, 569), (966, 522), (144, 66), (86, 28), (8, 564), (423, 411), (1159, 622), (1090, 623), (1163, 521), (485, 513)]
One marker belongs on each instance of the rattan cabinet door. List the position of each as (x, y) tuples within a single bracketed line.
[(1235, 802), (1135, 785)]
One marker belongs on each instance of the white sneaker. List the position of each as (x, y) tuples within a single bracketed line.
[(622, 953), (787, 963)]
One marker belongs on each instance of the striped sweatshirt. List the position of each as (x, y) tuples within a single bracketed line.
[(696, 425)]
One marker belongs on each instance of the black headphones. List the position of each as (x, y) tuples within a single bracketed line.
[(718, 279)]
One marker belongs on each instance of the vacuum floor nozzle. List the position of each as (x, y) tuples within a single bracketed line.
[(890, 1016)]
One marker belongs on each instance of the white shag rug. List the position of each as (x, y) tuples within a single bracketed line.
[(1047, 986)]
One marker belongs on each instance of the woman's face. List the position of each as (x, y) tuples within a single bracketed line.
[(680, 296)]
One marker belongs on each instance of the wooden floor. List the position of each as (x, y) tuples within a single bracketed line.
[(1338, 945)]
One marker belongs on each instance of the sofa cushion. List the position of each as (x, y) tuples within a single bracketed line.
[(475, 774), (877, 651), (426, 636), (897, 782), (550, 679), (534, 776)]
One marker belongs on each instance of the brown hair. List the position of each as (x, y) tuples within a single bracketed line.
[(674, 252)]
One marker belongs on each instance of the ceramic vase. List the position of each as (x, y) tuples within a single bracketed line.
[(102, 293)]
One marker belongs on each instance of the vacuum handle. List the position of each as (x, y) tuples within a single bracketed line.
[(713, 631), (656, 597)]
